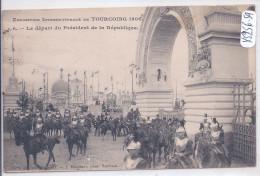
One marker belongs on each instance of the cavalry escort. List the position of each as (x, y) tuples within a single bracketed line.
[(39, 133), (182, 151)]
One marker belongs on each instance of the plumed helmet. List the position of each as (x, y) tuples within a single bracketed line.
[(81, 116), (74, 117), (37, 110), (180, 130), (214, 124), (134, 145), (39, 120), (27, 111), (21, 113)]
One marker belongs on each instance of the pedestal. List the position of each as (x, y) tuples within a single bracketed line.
[(150, 101)]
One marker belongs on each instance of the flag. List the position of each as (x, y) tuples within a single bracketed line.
[(111, 78), (96, 72), (75, 72), (106, 88), (12, 45), (92, 75)]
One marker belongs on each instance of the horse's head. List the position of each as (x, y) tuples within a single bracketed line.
[(20, 135)]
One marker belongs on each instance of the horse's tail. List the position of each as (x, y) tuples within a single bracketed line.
[(57, 141)]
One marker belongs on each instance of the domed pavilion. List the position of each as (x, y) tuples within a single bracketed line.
[(59, 92)]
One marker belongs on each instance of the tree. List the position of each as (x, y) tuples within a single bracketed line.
[(39, 105), (23, 100), (50, 107)]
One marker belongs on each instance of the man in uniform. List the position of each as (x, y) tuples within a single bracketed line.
[(130, 115), (49, 115), (134, 160), (38, 114), (39, 134), (217, 141), (74, 123), (183, 148)]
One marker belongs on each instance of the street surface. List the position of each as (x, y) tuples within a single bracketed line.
[(101, 154)]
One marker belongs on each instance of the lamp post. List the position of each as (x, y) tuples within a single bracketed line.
[(68, 90), (132, 66), (85, 87)]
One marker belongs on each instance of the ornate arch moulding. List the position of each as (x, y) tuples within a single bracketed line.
[(151, 18)]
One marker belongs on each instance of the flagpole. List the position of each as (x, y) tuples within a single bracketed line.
[(84, 87), (92, 85), (98, 85), (13, 53)]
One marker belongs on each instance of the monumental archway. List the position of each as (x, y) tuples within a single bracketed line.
[(212, 52)]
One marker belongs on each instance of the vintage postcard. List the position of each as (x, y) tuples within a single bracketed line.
[(167, 87)]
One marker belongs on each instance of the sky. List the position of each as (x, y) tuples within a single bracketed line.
[(107, 51)]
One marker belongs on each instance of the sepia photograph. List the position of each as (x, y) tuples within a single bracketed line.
[(129, 88)]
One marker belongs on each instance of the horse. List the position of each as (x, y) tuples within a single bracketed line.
[(49, 125), (11, 121), (149, 138), (122, 126), (88, 122), (32, 146), (208, 156), (104, 127), (113, 127), (166, 141), (83, 138), (72, 137), (65, 123), (57, 125), (96, 123)]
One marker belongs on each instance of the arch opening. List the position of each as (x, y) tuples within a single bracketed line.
[(161, 49)]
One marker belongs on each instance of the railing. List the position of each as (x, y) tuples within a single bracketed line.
[(244, 128)]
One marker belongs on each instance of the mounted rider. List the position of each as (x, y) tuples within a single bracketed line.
[(217, 141), (48, 115), (205, 125), (58, 116), (27, 114), (82, 120), (38, 113), (67, 114), (75, 125), (183, 148), (39, 133), (134, 160)]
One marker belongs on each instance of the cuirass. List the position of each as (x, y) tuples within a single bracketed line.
[(181, 144), (215, 135), (131, 164)]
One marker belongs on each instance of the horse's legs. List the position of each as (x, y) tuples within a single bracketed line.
[(27, 160), (166, 152), (35, 161), (77, 149), (10, 134), (48, 160), (85, 146), (70, 146), (160, 153), (149, 160), (154, 154)]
